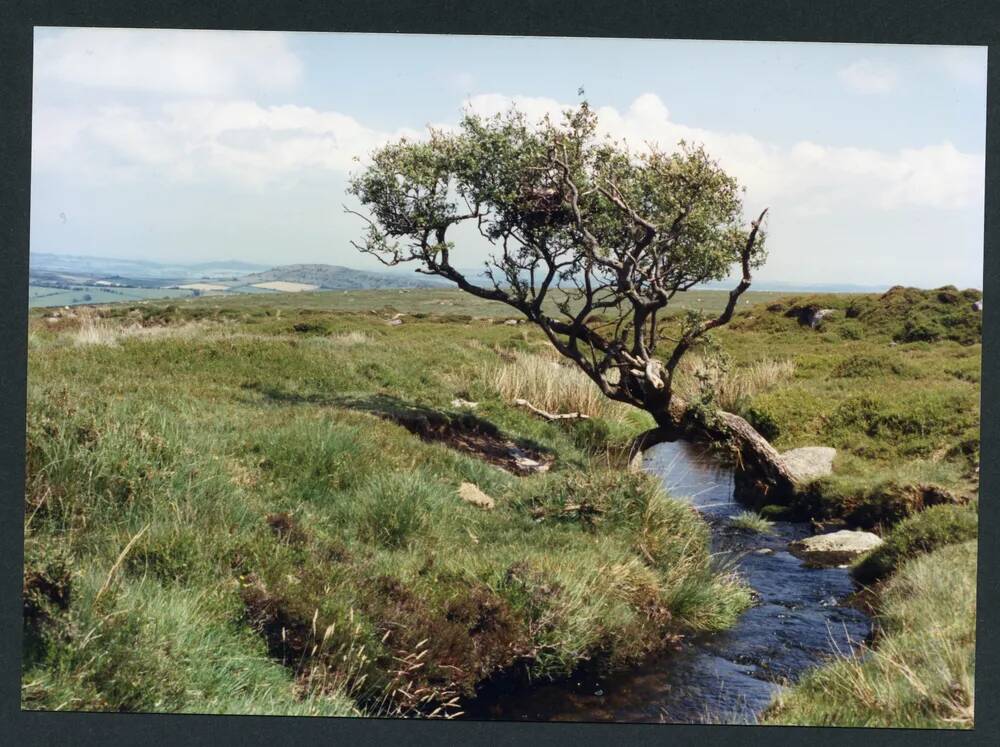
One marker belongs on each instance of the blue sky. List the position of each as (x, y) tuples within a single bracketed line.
[(179, 145)]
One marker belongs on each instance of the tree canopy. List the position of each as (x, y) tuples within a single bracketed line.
[(606, 234)]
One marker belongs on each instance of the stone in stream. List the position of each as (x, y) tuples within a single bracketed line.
[(472, 494), (809, 462), (835, 548)]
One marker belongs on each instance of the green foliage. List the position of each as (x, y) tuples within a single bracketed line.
[(509, 174), (921, 533), (763, 422)]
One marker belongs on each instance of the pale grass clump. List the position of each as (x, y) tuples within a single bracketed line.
[(550, 385), (354, 337), (95, 332), (733, 387)]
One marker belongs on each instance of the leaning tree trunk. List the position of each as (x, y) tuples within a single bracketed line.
[(761, 474)]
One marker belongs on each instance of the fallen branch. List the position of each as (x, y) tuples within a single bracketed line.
[(551, 415)]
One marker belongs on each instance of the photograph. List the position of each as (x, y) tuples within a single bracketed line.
[(503, 378)]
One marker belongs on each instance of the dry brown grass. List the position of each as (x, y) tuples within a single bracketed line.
[(734, 387), (551, 385)]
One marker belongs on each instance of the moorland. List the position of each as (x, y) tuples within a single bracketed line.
[(332, 504)]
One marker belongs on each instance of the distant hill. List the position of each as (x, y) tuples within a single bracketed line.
[(335, 277)]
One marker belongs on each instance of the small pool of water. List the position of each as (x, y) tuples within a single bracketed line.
[(798, 621)]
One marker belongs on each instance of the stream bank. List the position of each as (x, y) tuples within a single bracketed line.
[(797, 622)]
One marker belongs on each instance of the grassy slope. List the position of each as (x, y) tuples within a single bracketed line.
[(266, 541), (900, 413), (235, 398)]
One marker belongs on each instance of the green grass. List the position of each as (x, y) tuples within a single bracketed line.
[(921, 672), (298, 550), (41, 296), (923, 532), (270, 540), (751, 521), (902, 415)]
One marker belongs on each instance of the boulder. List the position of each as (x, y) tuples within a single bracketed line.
[(810, 315), (472, 494), (835, 548), (819, 316), (809, 462)]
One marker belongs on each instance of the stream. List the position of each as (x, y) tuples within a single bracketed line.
[(796, 622)]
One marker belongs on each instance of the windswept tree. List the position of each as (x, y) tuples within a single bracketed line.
[(591, 242)]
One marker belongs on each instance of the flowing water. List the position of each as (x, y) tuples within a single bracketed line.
[(798, 621)]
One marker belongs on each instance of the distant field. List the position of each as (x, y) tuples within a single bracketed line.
[(43, 296), (285, 286), (449, 301)]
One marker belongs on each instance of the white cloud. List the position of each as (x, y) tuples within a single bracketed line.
[(868, 76), (167, 61), (256, 146), (239, 141), (806, 178)]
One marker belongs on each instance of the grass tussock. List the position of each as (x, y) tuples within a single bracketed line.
[(751, 521), (551, 385), (921, 672), (921, 533)]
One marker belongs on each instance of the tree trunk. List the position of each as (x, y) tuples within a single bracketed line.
[(761, 474)]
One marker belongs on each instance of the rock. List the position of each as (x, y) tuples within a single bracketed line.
[(472, 494), (835, 548), (525, 462), (464, 403), (819, 316), (811, 315), (763, 551), (977, 306), (809, 462), (395, 322), (511, 322)]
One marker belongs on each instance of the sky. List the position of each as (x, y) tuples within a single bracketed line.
[(189, 146)]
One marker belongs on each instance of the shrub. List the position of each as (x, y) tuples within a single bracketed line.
[(870, 366), (919, 328), (762, 420), (921, 533)]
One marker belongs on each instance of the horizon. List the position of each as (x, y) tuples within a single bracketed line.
[(775, 284), (164, 146)]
